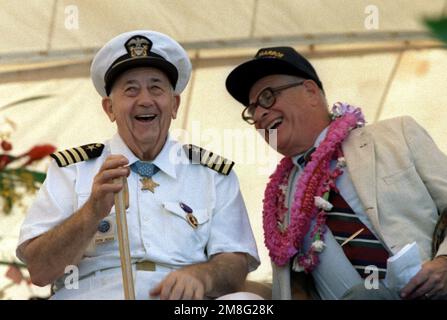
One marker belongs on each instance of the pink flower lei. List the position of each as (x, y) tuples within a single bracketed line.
[(314, 184)]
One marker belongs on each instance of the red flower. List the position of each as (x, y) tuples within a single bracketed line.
[(6, 145), (4, 160), (39, 152)]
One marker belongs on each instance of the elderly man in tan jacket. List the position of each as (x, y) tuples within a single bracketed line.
[(345, 197)]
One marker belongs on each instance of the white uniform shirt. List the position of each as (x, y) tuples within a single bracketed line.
[(158, 229)]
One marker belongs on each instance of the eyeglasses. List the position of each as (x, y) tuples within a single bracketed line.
[(266, 99)]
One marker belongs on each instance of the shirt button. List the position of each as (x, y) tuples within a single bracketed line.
[(146, 218)]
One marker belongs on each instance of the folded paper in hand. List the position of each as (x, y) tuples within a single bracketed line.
[(402, 267)]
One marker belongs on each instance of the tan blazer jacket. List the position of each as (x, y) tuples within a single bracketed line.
[(400, 176)]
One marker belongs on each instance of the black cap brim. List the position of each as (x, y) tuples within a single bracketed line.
[(113, 73), (243, 77)]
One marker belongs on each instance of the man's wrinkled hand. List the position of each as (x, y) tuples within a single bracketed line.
[(430, 282), (179, 285), (103, 189)]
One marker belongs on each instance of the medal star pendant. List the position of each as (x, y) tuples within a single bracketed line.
[(148, 184)]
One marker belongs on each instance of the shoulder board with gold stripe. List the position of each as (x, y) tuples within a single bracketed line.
[(208, 159), (74, 155)]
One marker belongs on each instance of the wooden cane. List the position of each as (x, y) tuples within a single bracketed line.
[(121, 204)]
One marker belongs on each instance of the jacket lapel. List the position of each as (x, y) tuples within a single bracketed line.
[(358, 150)]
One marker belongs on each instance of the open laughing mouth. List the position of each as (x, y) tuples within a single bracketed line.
[(146, 117), (275, 124)]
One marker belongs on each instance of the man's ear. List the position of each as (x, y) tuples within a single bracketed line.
[(176, 103), (107, 107), (312, 91)]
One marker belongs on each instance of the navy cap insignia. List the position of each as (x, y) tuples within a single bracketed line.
[(138, 46), (74, 155), (206, 158)]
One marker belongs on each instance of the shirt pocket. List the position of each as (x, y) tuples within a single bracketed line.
[(406, 191), (179, 228), (81, 199), (401, 176)]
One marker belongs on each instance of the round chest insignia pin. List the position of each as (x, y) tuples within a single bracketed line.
[(104, 226), (192, 220)]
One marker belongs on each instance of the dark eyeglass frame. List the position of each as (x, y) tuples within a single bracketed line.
[(262, 103)]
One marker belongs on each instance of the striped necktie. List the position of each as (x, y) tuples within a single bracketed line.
[(365, 249), (305, 158)]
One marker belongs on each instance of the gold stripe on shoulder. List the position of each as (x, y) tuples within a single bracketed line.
[(68, 156), (227, 168), (82, 152), (208, 159), (74, 155), (59, 159)]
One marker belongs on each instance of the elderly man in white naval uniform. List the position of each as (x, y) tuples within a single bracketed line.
[(189, 232)]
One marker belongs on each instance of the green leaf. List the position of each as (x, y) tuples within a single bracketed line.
[(37, 176), (438, 27)]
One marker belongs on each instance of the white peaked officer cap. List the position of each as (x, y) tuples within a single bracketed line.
[(140, 48)]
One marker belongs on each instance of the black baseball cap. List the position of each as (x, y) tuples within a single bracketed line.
[(268, 61)]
